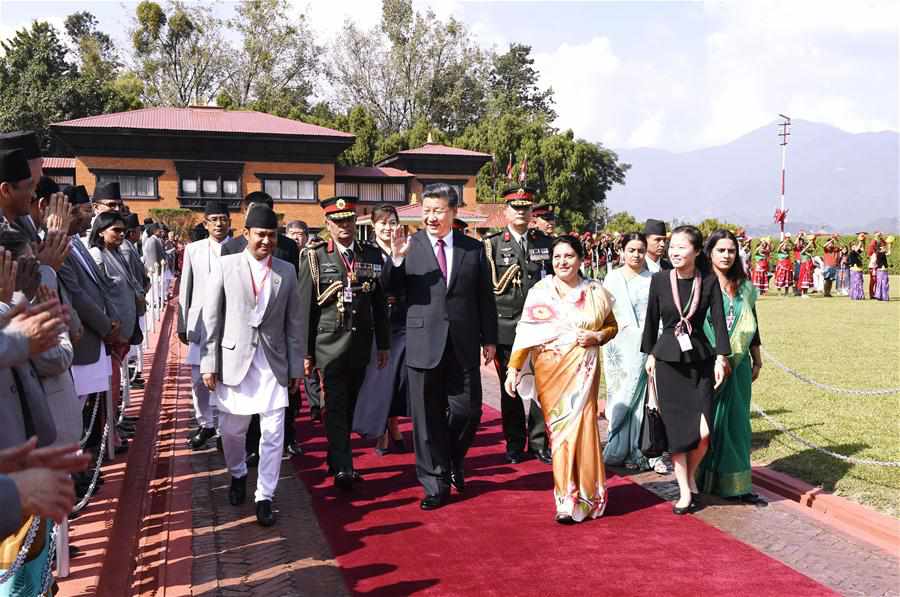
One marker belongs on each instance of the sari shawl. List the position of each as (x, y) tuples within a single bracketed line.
[(725, 471), (566, 383), (623, 363)]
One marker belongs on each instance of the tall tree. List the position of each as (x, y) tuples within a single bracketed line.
[(513, 84), (180, 52), (275, 67), (413, 66)]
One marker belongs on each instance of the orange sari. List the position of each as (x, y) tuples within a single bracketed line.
[(566, 383)]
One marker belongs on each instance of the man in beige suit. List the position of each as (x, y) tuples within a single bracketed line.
[(199, 258), (256, 321)]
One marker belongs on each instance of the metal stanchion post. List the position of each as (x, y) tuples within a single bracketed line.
[(126, 384), (110, 418), (62, 549)]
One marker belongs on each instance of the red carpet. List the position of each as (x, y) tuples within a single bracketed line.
[(500, 537)]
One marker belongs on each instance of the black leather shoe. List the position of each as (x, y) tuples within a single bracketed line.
[(237, 493), (293, 449), (122, 448), (344, 480), (199, 439), (564, 519), (543, 455), (458, 480), (315, 414), (516, 457), (74, 551), (753, 499), (264, 514), (433, 502), (690, 508), (137, 384), (130, 419), (357, 476), (253, 460)]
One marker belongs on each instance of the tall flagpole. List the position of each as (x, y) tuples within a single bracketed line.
[(784, 134)]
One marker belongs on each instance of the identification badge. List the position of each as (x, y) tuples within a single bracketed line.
[(363, 270), (348, 294), (684, 341)]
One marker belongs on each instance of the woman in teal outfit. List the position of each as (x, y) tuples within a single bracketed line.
[(726, 469), (623, 361)]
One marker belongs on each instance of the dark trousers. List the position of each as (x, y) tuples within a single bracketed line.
[(313, 388), (445, 404), (515, 423), (340, 386), (290, 426)]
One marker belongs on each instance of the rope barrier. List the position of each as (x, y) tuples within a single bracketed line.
[(96, 475), (47, 577), (827, 387), (90, 428), (808, 444)]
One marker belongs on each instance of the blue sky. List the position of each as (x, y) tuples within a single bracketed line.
[(671, 75)]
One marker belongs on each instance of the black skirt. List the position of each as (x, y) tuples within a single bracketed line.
[(685, 391)]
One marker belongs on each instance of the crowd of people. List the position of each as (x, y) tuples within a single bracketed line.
[(374, 331), (75, 276)]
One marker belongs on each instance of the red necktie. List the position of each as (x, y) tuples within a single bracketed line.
[(442, 258)]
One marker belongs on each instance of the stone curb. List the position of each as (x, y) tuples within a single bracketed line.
[(861, 522)]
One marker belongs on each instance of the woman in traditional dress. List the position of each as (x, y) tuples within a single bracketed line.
[(556, 360), (726, 469), (882, 277), (843, 277), (682, 362), (784, 268), (761, 264), (857, 289), (383, 395), (626, 379), (804, 280)]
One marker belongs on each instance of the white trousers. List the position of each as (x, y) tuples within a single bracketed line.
[(204, 409), (233, 429)]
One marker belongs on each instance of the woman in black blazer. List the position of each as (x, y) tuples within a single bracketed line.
[(684, 364)]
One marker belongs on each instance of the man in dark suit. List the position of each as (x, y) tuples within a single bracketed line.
[(655, 232), (286, 250), (451, 313)]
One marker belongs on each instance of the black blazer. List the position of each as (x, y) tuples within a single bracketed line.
[(465, 311), (286, 249), (661, 305)]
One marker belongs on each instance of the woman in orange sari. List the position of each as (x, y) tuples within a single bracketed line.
[(556, 360)]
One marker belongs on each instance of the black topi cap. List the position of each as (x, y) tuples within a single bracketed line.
[(24, 140), (13, 166), (107, 192), (215, 208), (77, 194), (657, 227), (131, 221), (261, 216), (46, 186)]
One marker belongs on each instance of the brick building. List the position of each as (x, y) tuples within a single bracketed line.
[(184, 157)]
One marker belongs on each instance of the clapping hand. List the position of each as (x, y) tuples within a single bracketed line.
[(54, 249), (399, 242), (8, 267), (57, 215), (68, 458), (41, 324), (28, 278)]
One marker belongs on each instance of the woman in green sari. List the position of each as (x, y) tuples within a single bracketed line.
[(726, 469)]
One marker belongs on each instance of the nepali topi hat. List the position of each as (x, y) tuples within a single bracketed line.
[(261, 216), (24, 140), (107, 192), (13, 166)]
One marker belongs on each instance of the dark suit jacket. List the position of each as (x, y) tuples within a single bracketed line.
[(286, 249), (465, 311), (661, 304)]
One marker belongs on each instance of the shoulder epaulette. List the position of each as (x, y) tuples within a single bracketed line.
[(490, 235), (313, 245), (330, 248)]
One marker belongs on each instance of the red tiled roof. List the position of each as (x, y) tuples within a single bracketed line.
[(371, 172), (438, 149), (57, 163), (200, 119)]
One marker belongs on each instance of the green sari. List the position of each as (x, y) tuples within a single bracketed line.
[(725, 471)]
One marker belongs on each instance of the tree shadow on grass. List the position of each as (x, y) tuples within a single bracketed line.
[(817, 468)]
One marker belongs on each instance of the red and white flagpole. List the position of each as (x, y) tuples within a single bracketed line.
[(784, 134)]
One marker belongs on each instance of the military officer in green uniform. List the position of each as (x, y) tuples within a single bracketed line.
[(348, 307), (519, 257)]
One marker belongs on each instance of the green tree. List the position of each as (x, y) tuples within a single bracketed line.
[(180, 53), (709, 225), (623, 222), (513, 84), (275, 66)]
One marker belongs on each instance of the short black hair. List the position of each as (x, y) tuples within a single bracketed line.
[(634, 236), (441, 190), (572, 241), (384, 210)]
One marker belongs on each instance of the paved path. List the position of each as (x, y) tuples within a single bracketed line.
[(233, 556)]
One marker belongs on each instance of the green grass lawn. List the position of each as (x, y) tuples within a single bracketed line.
[(851, 344)]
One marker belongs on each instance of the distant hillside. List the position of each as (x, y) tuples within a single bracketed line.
[(835, 180)]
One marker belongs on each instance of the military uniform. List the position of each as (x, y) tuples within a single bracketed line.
[(516, 266), (348, 307)]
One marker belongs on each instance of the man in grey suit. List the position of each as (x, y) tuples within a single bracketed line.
[(254, 352), (153, 250), (199, 258)]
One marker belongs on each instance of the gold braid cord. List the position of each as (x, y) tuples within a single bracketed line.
[(331, 291), (501, 284)]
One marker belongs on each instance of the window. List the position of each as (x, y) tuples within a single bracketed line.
[(373, 192), (299, 188), (132, 184), (200, 182), (63, 179)]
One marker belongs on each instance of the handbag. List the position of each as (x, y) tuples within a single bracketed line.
[(653, 432)]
